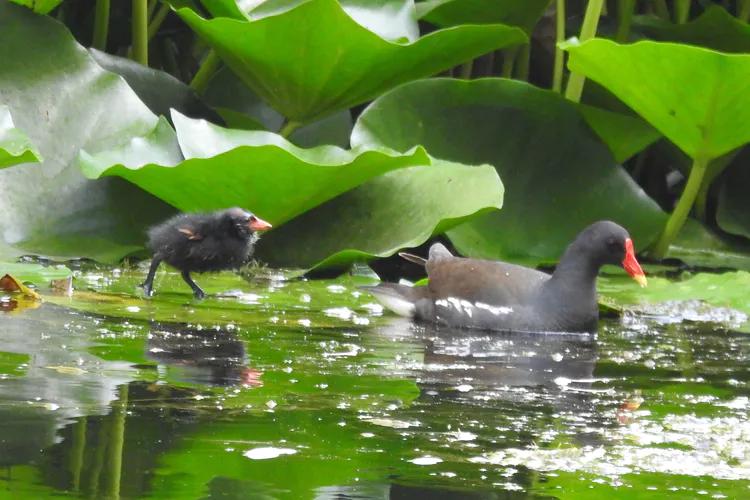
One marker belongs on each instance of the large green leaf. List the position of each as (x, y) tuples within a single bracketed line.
[(389, 19), (703, 112), (36, 273), (15, 146), (258, 170), (64, 101), (454, 12), (716, 29), (240, 107), (623, 134), (315, 59), (158, 90), (396, 210), (39, 6), (558, 176), (732, 209)]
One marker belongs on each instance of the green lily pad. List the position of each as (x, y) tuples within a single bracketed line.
[(715, 29), (389, 19), (623, 134), (15, 146), (254, 169), (511, 12), (64, 101), (240, 107), (697, 246), (315, 59), (542, 149), (397, 210), (706, 118), (158, 90), (727, 290), (39, 6), (36, 273)]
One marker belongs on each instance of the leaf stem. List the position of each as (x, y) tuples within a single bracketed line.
[(744, 11), (155, 24), (681, 11), (209, 66), (509, 59), (557, 71), (523, 61), (625, 9), (678, 216), (661, 9), (288, 127), (140, 31), (466, 69), (574, 90), (101, 25)]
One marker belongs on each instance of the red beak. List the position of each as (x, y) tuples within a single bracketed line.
[(258, 224), (631, 265)]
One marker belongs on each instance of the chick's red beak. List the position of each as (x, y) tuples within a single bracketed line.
[(631, 265), (258, 224)]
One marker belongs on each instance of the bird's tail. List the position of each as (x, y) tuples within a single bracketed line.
[(400, 299)]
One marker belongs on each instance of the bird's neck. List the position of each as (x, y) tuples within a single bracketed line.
[(576, 273)]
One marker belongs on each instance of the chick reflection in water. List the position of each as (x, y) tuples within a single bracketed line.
[(207, 357)]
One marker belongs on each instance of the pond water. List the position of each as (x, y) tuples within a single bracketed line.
[(282, 388)]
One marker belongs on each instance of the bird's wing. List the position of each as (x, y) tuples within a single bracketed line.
[(191, 235), (490, 282)]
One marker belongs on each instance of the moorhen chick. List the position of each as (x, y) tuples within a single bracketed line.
[(491, 295), (203, 242)]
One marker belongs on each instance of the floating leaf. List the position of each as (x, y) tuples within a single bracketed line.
[(315, 59), (396, 210), (257, 170), (64, 101), (35, 273), (15, 146), (11, 284), (542, 149)]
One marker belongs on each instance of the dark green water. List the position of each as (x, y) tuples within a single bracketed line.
[(294, 389)]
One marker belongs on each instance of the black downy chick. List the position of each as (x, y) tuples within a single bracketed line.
[(203, 242)]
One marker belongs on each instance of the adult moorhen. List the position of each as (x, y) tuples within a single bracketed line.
[(203, 242), (491, 295)]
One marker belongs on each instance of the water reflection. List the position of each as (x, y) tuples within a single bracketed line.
[(202, 356)]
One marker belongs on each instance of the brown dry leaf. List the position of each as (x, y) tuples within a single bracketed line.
[(10, 284)]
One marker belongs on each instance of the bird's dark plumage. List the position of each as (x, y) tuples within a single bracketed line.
[(203, 242), (494, 295)]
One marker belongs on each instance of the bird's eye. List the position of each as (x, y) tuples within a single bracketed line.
[(612, 243)]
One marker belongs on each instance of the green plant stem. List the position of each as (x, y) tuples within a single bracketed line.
[(523, 61), (681, 11), (509, 60), (744, 11), (155, 24), (557, 71), (140, 31), (574, 90), (151, 7), (101, 25), (77, 448), (209, 66), (661, 9), (466, 69), (288, 127), (678, 216), (625, 9)]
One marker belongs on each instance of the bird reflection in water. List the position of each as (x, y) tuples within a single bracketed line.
[(208, 357)]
